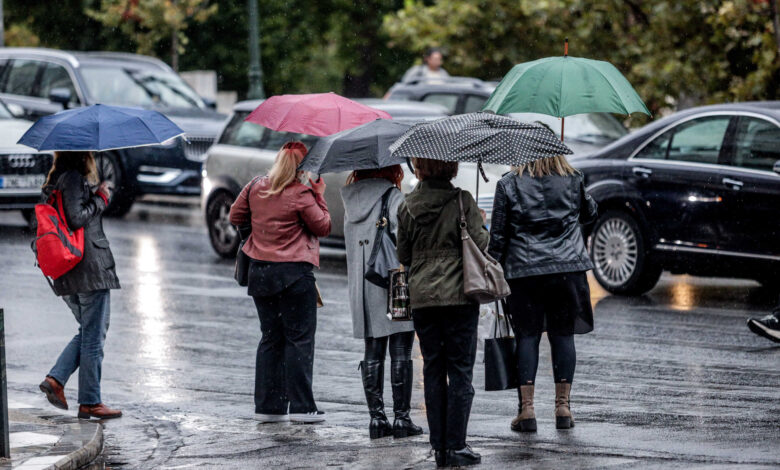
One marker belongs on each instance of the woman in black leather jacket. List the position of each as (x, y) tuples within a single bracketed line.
[(536, 235), (86, 287)]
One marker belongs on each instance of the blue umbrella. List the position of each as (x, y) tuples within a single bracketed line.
[(100, 127)]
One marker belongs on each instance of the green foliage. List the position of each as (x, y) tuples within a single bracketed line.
[(674, 52)]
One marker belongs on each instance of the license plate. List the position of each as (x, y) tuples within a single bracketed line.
[(21, 181)]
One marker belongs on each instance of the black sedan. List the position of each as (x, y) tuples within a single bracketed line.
[(697, 192)]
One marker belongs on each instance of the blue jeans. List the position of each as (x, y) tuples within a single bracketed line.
[(85, 350)]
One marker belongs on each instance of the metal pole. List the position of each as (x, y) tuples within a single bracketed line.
[(2, 31), (5, 446), (255, 68)]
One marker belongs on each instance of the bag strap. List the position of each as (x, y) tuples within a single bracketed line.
[(384, 214)]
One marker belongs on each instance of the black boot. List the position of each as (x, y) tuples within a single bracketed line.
[(463, 457), (373, 373), (401, 378)]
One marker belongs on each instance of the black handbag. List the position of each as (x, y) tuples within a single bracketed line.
[(243, 261), (383, 255), (500, 357)]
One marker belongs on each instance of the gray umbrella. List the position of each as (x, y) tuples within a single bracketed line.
[(481, 138), (361, 148)]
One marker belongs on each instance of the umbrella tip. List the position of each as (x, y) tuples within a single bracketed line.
[(566, 47)]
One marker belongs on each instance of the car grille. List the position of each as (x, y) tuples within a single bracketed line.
[(25, 163), (195, 147)]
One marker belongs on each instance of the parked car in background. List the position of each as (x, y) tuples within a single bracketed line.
[(458, 94), (39, 82), (245, 150), (697, 192), (22, 169)]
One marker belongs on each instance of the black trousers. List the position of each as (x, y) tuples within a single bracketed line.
[(285, 355), (448, 342), (400, 345)]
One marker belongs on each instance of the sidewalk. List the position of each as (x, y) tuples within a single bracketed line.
[(44, 439)]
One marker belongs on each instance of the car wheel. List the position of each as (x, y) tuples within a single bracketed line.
[(223, 236), (620, 257), (122, 198)]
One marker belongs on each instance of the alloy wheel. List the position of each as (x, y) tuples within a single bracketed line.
[(615, 251)]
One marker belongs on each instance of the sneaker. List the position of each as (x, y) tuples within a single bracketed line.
[(308, 418), (768, 327), (270, 418)]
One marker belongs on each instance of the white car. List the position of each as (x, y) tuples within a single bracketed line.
[(22, 169)]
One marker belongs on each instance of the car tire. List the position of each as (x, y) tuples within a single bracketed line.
[(122, 197), (222, 235), (621, 259)]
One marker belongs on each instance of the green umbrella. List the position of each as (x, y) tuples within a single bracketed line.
[(562, 86)]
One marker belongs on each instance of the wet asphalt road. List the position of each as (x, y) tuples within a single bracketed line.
[(670, 380)]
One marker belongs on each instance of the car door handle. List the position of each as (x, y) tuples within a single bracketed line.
[(642, 172), (736, 185)]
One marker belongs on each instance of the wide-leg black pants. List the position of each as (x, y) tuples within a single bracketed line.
[(448, 342)]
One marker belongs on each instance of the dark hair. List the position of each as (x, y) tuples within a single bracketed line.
[(83, 162), (394, 174), (432, 50), (428, 169)]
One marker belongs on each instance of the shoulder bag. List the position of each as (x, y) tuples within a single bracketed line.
[(242, 259), (500, 355), (483, 277), (383, 255)]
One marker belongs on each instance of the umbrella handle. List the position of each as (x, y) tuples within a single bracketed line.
[(409, 164), (566, 47)]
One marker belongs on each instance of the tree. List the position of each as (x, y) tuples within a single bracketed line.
[(151, 21)]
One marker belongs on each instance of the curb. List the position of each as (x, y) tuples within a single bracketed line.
[(85, 452)]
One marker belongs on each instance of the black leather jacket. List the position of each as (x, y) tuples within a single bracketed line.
[(83, 208), (535, 227)]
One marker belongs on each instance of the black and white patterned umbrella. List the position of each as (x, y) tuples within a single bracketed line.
[(481, 138)]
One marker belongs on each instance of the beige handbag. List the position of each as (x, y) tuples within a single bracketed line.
[(483, 277)]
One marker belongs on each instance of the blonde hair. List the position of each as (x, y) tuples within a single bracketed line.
[(285, 168), (83, 162), (557, 165)]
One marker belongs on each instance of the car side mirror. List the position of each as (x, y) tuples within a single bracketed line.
[(61, 96), (210, 103), (15, 110), (776, 168)]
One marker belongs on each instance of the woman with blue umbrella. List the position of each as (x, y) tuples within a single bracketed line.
[(73, 135)]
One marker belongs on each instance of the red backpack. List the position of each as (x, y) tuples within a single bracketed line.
[(57, 248)]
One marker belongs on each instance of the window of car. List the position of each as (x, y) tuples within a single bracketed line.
[(241, 133), (21, 77), (657, 148), (56, 76), (275, 139), (4, 112), (756, 144), (131, 87), (448, 100), (474, 103), (699, 140)]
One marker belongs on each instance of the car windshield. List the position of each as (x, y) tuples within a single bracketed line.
[(596, 128), (248, 134), (4, 113), (126, 87)]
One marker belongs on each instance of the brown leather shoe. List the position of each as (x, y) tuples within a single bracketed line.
[(525, 421), (99, 411), (55, 393), (563, 417)]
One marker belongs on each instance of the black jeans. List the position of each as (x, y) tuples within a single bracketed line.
[(448, 342), (285, 355), (400, 347)]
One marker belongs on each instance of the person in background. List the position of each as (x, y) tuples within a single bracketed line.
[(429, 243), (363, 196), (287, 217), (768, 326), (431, 67), (85, 288), (536, 235)]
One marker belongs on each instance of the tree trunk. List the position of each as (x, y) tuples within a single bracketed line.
[(775, 23), (175, 50)]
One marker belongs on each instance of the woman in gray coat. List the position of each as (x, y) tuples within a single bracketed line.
[(363, 196)]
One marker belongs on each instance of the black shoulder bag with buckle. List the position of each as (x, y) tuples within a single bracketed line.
[(242, 259), (383, 255)]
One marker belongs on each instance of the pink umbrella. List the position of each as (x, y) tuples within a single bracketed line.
[(317, 114)]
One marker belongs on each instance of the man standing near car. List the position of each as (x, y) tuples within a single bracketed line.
[(430, 68)]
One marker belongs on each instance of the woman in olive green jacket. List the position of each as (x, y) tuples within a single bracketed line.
[(429, 244)]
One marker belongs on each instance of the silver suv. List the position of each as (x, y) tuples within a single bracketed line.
[(244, 150)]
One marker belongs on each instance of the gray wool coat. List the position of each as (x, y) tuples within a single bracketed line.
[(362, 206)]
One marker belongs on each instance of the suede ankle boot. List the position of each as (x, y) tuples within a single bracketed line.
[(525, 421), (563, 417)]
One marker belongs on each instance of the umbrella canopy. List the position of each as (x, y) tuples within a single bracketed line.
[(100, 127), (479, 137), (317, 114), (361, 148), (562, 86)]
